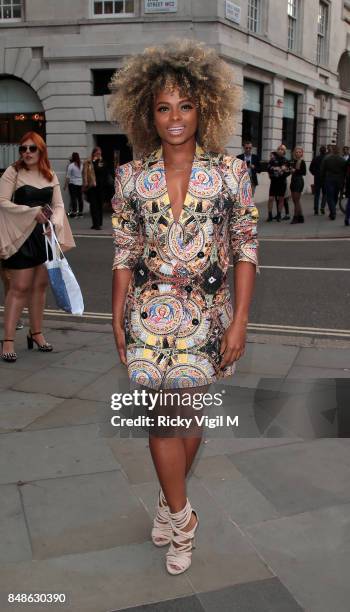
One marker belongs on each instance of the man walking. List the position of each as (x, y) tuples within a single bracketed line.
[(315, 169), (253, 164), (333, 170)]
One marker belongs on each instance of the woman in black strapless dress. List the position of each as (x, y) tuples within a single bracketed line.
[(25, 188)]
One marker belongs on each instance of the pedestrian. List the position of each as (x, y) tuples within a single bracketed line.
[(346, 153), (253, 164), (347, 193), (333, 170), (74, 180), (94, 174), (315, 169), (29, 193), (298, 171), (278, 170), (177, 211)]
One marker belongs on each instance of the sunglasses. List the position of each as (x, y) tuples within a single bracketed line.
[(25, 148)]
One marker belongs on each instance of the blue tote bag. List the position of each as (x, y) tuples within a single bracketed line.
[(64, 285)]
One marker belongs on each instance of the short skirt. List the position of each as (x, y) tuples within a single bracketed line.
[(278, 187), (297, 184), (32, 252)]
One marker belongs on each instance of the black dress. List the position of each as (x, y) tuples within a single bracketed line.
[(32, 252)]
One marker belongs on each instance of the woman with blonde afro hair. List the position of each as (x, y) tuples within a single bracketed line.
[(179, 210), (193, 68)]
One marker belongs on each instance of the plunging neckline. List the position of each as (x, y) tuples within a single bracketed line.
[(186, 193)]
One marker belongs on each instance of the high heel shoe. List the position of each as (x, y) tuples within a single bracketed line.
[(162, 531), (9, 357), (179, 557), (45, 348)]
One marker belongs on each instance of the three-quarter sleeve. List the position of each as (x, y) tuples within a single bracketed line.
[(243, 220), (127, 231)]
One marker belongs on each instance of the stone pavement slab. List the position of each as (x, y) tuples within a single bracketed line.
[(311, 373), (73, 412), (14, 540), (56, 381), (134, 457), (115, 381), (9, 376), (88, 360), (268, 360), (318, 358), (299, 477), (310, 552), (17, 409), (83, 513), (261, 595), (97, 581), (36, 455), (268, 595)]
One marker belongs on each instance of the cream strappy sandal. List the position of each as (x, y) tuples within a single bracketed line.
[(179, 557), (162, 531)]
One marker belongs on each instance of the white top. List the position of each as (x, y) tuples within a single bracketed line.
[(74, 174)]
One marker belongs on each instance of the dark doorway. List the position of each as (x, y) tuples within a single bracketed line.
[(115, 150)]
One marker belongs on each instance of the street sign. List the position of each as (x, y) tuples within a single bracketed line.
[(232, 12), (160, 6)]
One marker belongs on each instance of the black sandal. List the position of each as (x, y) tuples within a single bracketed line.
[(45, 348), (9, 357)]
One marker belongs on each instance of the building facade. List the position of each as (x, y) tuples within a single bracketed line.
[(291, 57)]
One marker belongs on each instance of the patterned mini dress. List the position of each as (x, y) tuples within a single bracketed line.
[(178, 303)]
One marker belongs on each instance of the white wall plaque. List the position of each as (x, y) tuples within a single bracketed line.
[(160, 6), (232, 12)]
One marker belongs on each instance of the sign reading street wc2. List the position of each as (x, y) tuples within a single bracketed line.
[(160, 6)]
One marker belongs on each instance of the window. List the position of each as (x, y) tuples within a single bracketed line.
[(254, 15), (113, 8), (322, 28), (101, 80), (289, 125), (10, 10), (252, 114), (293, 16)]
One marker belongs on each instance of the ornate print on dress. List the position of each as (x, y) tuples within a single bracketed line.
[(178, 304)]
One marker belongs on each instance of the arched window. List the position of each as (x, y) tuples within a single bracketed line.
[(344, 71)]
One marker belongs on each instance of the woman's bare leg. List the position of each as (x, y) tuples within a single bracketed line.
[(37, 300), (16, 298)]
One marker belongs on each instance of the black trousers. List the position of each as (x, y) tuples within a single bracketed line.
[(76, 198), (95, 199)]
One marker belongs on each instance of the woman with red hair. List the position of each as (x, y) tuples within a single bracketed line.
[(29, 194)]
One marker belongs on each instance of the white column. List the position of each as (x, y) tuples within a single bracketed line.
[(305, 123), (273, 117)]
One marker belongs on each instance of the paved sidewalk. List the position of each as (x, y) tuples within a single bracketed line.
[(314, 227), (77, 496)]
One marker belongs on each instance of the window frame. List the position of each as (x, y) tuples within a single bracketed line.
[(322, 38), (259, 146), (259, 11), (12, 19), (293, 20), (110, 15)]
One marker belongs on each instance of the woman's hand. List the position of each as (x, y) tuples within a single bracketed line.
[(119, 336), (41, 218), (233, 342)]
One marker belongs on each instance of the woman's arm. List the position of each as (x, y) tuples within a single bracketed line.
[(121, 280), (128, 241), (233, 344), (243, 236)]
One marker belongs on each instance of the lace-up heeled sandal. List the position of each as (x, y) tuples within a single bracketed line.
[(179, 557), (45, 348), (162, 531), (9, 357)]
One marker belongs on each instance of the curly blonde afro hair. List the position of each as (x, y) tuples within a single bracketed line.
[(198, 73)]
